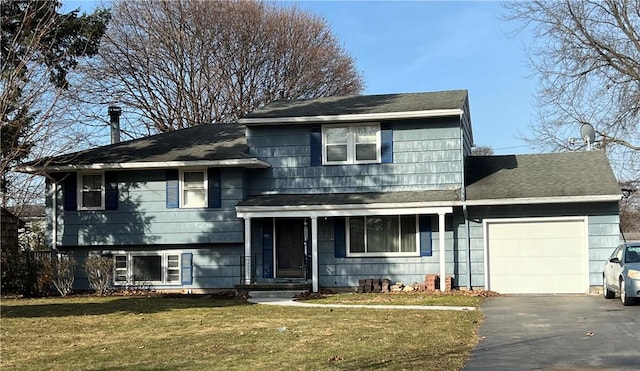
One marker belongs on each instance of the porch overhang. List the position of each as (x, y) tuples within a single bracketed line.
[(341, 205), (348, 204)]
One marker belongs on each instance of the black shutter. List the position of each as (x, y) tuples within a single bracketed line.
[(173, 189), (111, 190), (267, 248), (316, 146), (340, 237), (425, 235), (70, 184), (186, 268), (215, 188), (386, 139)]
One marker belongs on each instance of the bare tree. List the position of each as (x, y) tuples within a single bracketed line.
[(587, 57), (482, 151), (176, 64), (40, 48)]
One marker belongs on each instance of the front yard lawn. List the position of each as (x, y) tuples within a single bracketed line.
[(460, 299), (210, 332)]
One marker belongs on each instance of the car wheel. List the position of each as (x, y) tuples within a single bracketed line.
[(623, 294), (608, 294)]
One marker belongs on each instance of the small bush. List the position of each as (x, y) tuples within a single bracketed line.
[(99, 272), (23, 273), (62, 274)]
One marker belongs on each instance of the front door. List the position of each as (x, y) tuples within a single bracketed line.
[(290, 248)]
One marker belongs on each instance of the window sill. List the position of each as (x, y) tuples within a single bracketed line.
[(384, 255)]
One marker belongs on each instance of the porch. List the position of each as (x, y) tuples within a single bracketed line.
[(290, 244)]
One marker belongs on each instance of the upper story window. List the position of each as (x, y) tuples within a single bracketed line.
[(91, 191), (193, 185), (351, 144)]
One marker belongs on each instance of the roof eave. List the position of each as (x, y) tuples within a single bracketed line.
[(251, 163), (352, 117), (544, 200)]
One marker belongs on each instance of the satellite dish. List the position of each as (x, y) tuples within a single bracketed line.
[(587, 133)]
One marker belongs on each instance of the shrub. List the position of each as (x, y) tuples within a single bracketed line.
[(99, 272), (23, 273), (62, 274)]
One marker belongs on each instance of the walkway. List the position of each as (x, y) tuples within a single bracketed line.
[(292, 303)]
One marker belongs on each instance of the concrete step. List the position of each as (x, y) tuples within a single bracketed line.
[(276, 293)]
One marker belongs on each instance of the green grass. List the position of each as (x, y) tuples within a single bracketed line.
[(459, 299), (202, 333)]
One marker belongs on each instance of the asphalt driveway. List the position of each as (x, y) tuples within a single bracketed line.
[(557, 333)]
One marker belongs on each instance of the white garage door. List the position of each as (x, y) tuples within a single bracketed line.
[(536, 256)]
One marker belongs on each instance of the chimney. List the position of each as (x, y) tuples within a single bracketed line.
[(114, 115)]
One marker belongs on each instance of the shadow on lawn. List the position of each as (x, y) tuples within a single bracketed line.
[(87, 306)]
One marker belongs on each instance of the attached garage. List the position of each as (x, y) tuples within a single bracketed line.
[(537, 255)]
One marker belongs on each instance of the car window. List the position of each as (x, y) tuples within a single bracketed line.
[(617, 253), (633, 254)]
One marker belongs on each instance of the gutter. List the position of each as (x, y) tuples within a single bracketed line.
[(247, 163), (54, 221), (463, 197), (352, 117)]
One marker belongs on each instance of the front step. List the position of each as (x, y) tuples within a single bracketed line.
[(296, 287), (277, 294)]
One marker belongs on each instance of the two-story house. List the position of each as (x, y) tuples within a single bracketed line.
[(333, 190)]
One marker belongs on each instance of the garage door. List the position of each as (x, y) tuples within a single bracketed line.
[(536, 256)]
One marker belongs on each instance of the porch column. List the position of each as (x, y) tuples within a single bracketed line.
[(247, 251), (441, 240), (314, 254)]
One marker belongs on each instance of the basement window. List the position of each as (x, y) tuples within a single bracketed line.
[(147, 269)]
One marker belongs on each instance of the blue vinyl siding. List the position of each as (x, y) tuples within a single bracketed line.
[(426, 155), (603, 232), (142, 216), (335, 271), (205, 267)]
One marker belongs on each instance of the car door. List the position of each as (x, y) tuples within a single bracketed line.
[(612, 270)]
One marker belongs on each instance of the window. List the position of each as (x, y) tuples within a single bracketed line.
[(193, 188), (382, 235), (353, 144), (91, 191), (146, 268)]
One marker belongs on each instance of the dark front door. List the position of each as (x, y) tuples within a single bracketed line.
[(290, 248)]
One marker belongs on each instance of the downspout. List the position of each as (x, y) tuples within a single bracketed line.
[(463, 197), (54, 216)]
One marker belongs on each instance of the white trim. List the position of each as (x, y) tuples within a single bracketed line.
[(247, 251), (353, 117), (164, 266), (485, 237), (54, 216), (205, 188), (248, 163), (442, 230), (404, 208), (367, 254), (541, 200), (314, 255), (80, 187), (352, 144), (310, 211)]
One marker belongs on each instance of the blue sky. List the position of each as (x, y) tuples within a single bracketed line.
[(418, 46)]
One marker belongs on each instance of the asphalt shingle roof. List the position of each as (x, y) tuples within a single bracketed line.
[(199, 143), (349, 198), (574, 174), (362, 104), (540, 175)]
